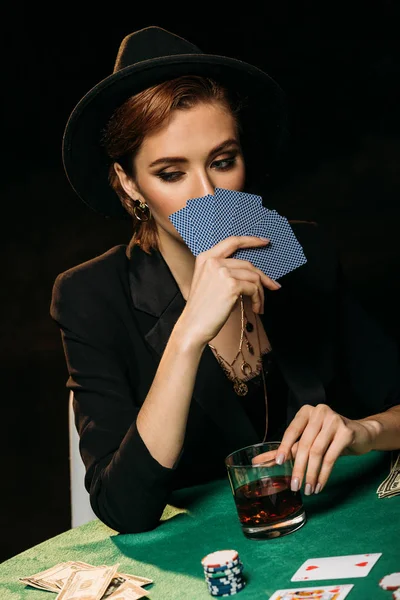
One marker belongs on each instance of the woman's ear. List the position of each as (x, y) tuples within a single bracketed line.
[(126, 182)]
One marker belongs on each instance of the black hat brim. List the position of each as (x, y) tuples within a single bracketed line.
[(263, 118)]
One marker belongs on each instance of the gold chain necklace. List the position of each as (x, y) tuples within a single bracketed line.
[(239, 384), (265, 388)]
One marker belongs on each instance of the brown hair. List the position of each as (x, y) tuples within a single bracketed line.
[(145, 113)]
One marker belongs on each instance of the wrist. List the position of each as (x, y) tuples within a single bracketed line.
[(184, 338), (374, 429)]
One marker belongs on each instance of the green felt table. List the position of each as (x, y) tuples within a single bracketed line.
[(346, 518)]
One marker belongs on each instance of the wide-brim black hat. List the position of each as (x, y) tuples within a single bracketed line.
[(148, 57)]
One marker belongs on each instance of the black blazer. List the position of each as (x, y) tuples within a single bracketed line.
[(116, 315)]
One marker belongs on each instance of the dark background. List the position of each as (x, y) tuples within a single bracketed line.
[(340, 67)]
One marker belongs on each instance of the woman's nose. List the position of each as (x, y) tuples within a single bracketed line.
[(204, 185)]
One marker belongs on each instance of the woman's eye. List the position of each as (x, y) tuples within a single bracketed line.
[(220, 165), (224, 164), (168, 176)]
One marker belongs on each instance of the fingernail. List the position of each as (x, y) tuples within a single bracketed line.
[(280, 459), (264, 239), (308, 489), (318, 488), (277, 284), (295, 484)]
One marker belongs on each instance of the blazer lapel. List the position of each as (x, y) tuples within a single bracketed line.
[(155, 292)]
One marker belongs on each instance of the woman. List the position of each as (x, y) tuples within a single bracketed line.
[(176, 360)]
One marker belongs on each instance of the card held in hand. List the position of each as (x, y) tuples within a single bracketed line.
[(206, 221)]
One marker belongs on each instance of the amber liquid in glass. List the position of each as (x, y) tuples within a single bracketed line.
[(267, 501)]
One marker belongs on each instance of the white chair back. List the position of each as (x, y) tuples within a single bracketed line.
[(81, 511)]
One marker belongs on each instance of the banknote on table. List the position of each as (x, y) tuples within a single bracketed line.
[(61, 576), (390, 486), (127, 591), (88, 584), (54, 578)]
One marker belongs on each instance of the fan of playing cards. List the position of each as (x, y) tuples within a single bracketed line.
[(205, 221)]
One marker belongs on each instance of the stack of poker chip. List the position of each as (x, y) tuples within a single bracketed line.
[(223, 571)]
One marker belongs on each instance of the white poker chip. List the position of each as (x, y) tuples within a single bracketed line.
[(390, 582), (396, 594), (220, 558)]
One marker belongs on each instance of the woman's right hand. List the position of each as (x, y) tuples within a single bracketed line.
[(218, 281)]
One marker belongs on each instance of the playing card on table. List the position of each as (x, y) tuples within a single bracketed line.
[(329, 592), (336, 567), (207, 220)]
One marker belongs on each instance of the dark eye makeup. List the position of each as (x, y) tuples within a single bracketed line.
[(224, 164)]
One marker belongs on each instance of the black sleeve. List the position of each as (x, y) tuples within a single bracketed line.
[(128, 487)]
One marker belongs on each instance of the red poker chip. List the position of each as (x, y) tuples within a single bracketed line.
[(390, 582)]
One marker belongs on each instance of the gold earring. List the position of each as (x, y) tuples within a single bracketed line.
[(141, 211)]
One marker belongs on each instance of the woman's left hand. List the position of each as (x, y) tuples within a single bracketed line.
[(317, 436)]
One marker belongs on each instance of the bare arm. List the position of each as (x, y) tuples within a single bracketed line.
[(384, 429), (162, 419)]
